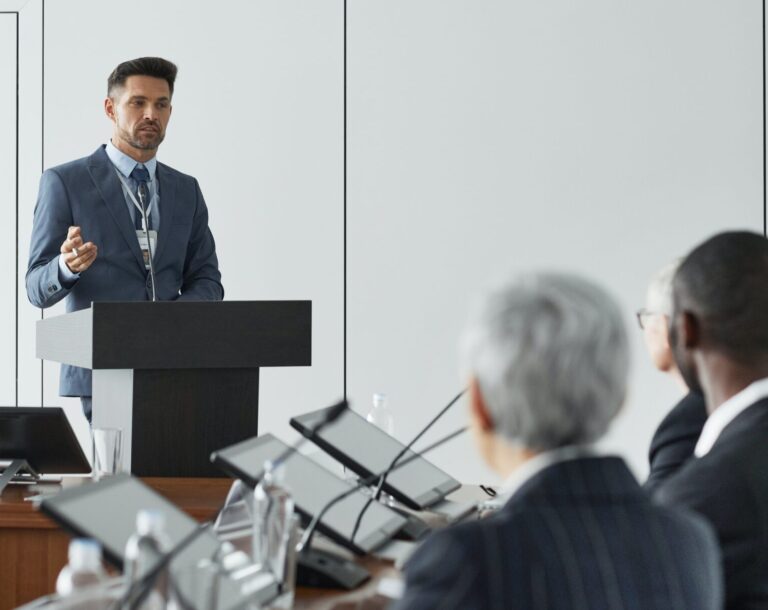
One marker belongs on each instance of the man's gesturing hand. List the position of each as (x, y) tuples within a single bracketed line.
[(78, 256)]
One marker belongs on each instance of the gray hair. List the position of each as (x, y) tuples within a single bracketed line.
[(658, 298), (551, 356)]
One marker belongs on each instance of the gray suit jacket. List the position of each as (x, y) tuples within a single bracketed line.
[(87, 193), (579, 535)]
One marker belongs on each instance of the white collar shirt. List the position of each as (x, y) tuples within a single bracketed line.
[(727, 412)]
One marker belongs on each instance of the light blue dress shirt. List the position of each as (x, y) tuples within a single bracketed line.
[(125, 165)]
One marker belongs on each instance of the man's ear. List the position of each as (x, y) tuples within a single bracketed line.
[(478, 407), (690, 330), (109, 108)]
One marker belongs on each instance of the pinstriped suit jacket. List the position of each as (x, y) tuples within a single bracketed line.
[(582, 535)]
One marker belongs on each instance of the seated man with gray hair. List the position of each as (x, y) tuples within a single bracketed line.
[(547, 358)]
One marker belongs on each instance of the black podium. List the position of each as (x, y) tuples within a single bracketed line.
[(181, 379)]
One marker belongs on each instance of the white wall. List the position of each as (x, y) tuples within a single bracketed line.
[(31, 163), (484, 137), (8, 208), (21, 320), (493, 137)]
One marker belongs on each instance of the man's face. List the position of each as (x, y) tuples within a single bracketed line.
[(656, 335), (140, 111)]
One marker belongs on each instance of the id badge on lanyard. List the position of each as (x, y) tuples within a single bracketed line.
[(147, 244), (147, 239)]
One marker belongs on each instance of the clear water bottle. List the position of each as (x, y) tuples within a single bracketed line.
[(272, 512), (144, 549), (380, 415), (84, 569)]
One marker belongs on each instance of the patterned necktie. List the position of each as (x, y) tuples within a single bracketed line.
[(141, 176)]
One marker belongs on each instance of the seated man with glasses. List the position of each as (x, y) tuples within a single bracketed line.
[(677, 434)]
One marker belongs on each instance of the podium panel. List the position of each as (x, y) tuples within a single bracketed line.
[(178, 409), (179, 379)]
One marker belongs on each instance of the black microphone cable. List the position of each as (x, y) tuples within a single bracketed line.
[(377, 493), (306, 539)]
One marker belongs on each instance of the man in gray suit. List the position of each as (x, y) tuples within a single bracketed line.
[(547, 358), (99, 220)]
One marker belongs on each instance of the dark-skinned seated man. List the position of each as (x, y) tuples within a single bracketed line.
[(719, 336)]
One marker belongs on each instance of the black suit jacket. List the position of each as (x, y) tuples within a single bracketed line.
[(582, 535), (729, 486), (675, 439)]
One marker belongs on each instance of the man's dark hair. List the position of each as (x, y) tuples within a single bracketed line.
[(143, 66), (724, 283)]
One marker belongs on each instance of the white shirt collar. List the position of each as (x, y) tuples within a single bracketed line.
[(125, 164), (530, 468), (727, 412)]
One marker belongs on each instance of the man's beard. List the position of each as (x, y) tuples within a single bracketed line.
[(142, 140)]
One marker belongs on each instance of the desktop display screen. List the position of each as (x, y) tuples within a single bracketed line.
[(366, 449), (106, 511), (312, 486), (42, 437)]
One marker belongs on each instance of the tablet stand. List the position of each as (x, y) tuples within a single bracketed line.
[(15, 471)]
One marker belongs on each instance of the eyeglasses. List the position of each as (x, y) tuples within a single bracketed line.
[(643, 315)]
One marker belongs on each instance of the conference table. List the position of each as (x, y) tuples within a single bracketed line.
[(33, 549)]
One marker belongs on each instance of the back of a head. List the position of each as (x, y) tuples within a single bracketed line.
[(551, 357), (659, 294), (724, 283)]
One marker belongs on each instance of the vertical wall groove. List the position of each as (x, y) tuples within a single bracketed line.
[(345, 200), (16, 232), (42, 162)]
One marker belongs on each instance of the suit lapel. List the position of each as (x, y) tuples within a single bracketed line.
[(107, 183), (168, 198)]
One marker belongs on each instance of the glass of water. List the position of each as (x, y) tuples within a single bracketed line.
[(107, 452)]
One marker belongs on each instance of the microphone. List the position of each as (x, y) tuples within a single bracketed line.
[(306, 539), (382, 481), (318, 568), (143, 201)]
